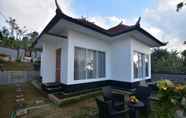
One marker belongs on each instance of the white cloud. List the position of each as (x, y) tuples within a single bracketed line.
[(110, 21), (34, 14), (166, 24)]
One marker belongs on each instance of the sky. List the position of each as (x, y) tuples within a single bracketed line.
[(159, 17)]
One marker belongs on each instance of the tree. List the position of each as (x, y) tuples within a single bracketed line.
[(5, 32), (184, 60), (180, 6), (15, 36), (164, 61), (1, 35), (33, 35), (159, 53), (13, 26)]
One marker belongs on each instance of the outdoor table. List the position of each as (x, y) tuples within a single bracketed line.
[(133, 111)]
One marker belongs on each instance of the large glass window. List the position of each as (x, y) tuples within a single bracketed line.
[(140, 65), (91, 63), (88, 64), (79, 64)]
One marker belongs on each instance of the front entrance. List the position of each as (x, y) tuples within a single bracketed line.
[(58, 65)]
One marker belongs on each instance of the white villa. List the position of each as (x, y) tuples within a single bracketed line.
[(78, 54)]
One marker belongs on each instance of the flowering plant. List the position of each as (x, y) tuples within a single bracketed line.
[(171, 96), (133, 99)]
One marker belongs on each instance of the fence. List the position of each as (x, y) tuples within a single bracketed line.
[(12, 77), (179, 78)]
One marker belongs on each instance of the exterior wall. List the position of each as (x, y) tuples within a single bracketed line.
[(13, 77), (42, 66), (77, 39), (8, 51), (119, 57), (13, 53), (48, 65), (121, 60), (140, 47)]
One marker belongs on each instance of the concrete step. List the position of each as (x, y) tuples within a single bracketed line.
[(20, 100), (19, 96), (51, 85)]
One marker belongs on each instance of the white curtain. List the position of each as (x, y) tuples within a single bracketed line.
[(80, 63)]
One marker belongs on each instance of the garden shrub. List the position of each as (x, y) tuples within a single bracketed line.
[(172, 97)]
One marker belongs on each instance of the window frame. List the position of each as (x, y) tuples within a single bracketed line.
[(97, 76), (143, 55)]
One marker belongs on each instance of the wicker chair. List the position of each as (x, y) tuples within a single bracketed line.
[(143, 94), (106, 110), (118, 100)]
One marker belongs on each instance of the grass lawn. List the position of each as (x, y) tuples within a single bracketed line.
[(86, 108), (83, 109), (32, 94), (7, 98)]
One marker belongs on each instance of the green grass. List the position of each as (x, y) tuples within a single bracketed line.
[(83, 109), (8, 97), (86, 112), (31, 94), (7, 100)]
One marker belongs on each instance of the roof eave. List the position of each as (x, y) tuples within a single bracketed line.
[(54, 20), (150, 36)]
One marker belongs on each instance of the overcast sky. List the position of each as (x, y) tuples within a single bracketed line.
[(159, 17)]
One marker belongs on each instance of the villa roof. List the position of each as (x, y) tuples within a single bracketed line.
[(119, 28), (114, 31)]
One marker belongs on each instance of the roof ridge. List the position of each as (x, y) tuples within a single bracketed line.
[(118, 25)]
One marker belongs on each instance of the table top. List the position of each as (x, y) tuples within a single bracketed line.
[(136, 105)]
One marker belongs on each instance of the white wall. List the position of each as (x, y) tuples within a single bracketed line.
[(12, 53), (121, 60), (119, 57), (140, 47), (42, 65), (48, 67), (77, 39)]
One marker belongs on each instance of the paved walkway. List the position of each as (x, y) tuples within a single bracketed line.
[(20, 100)]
